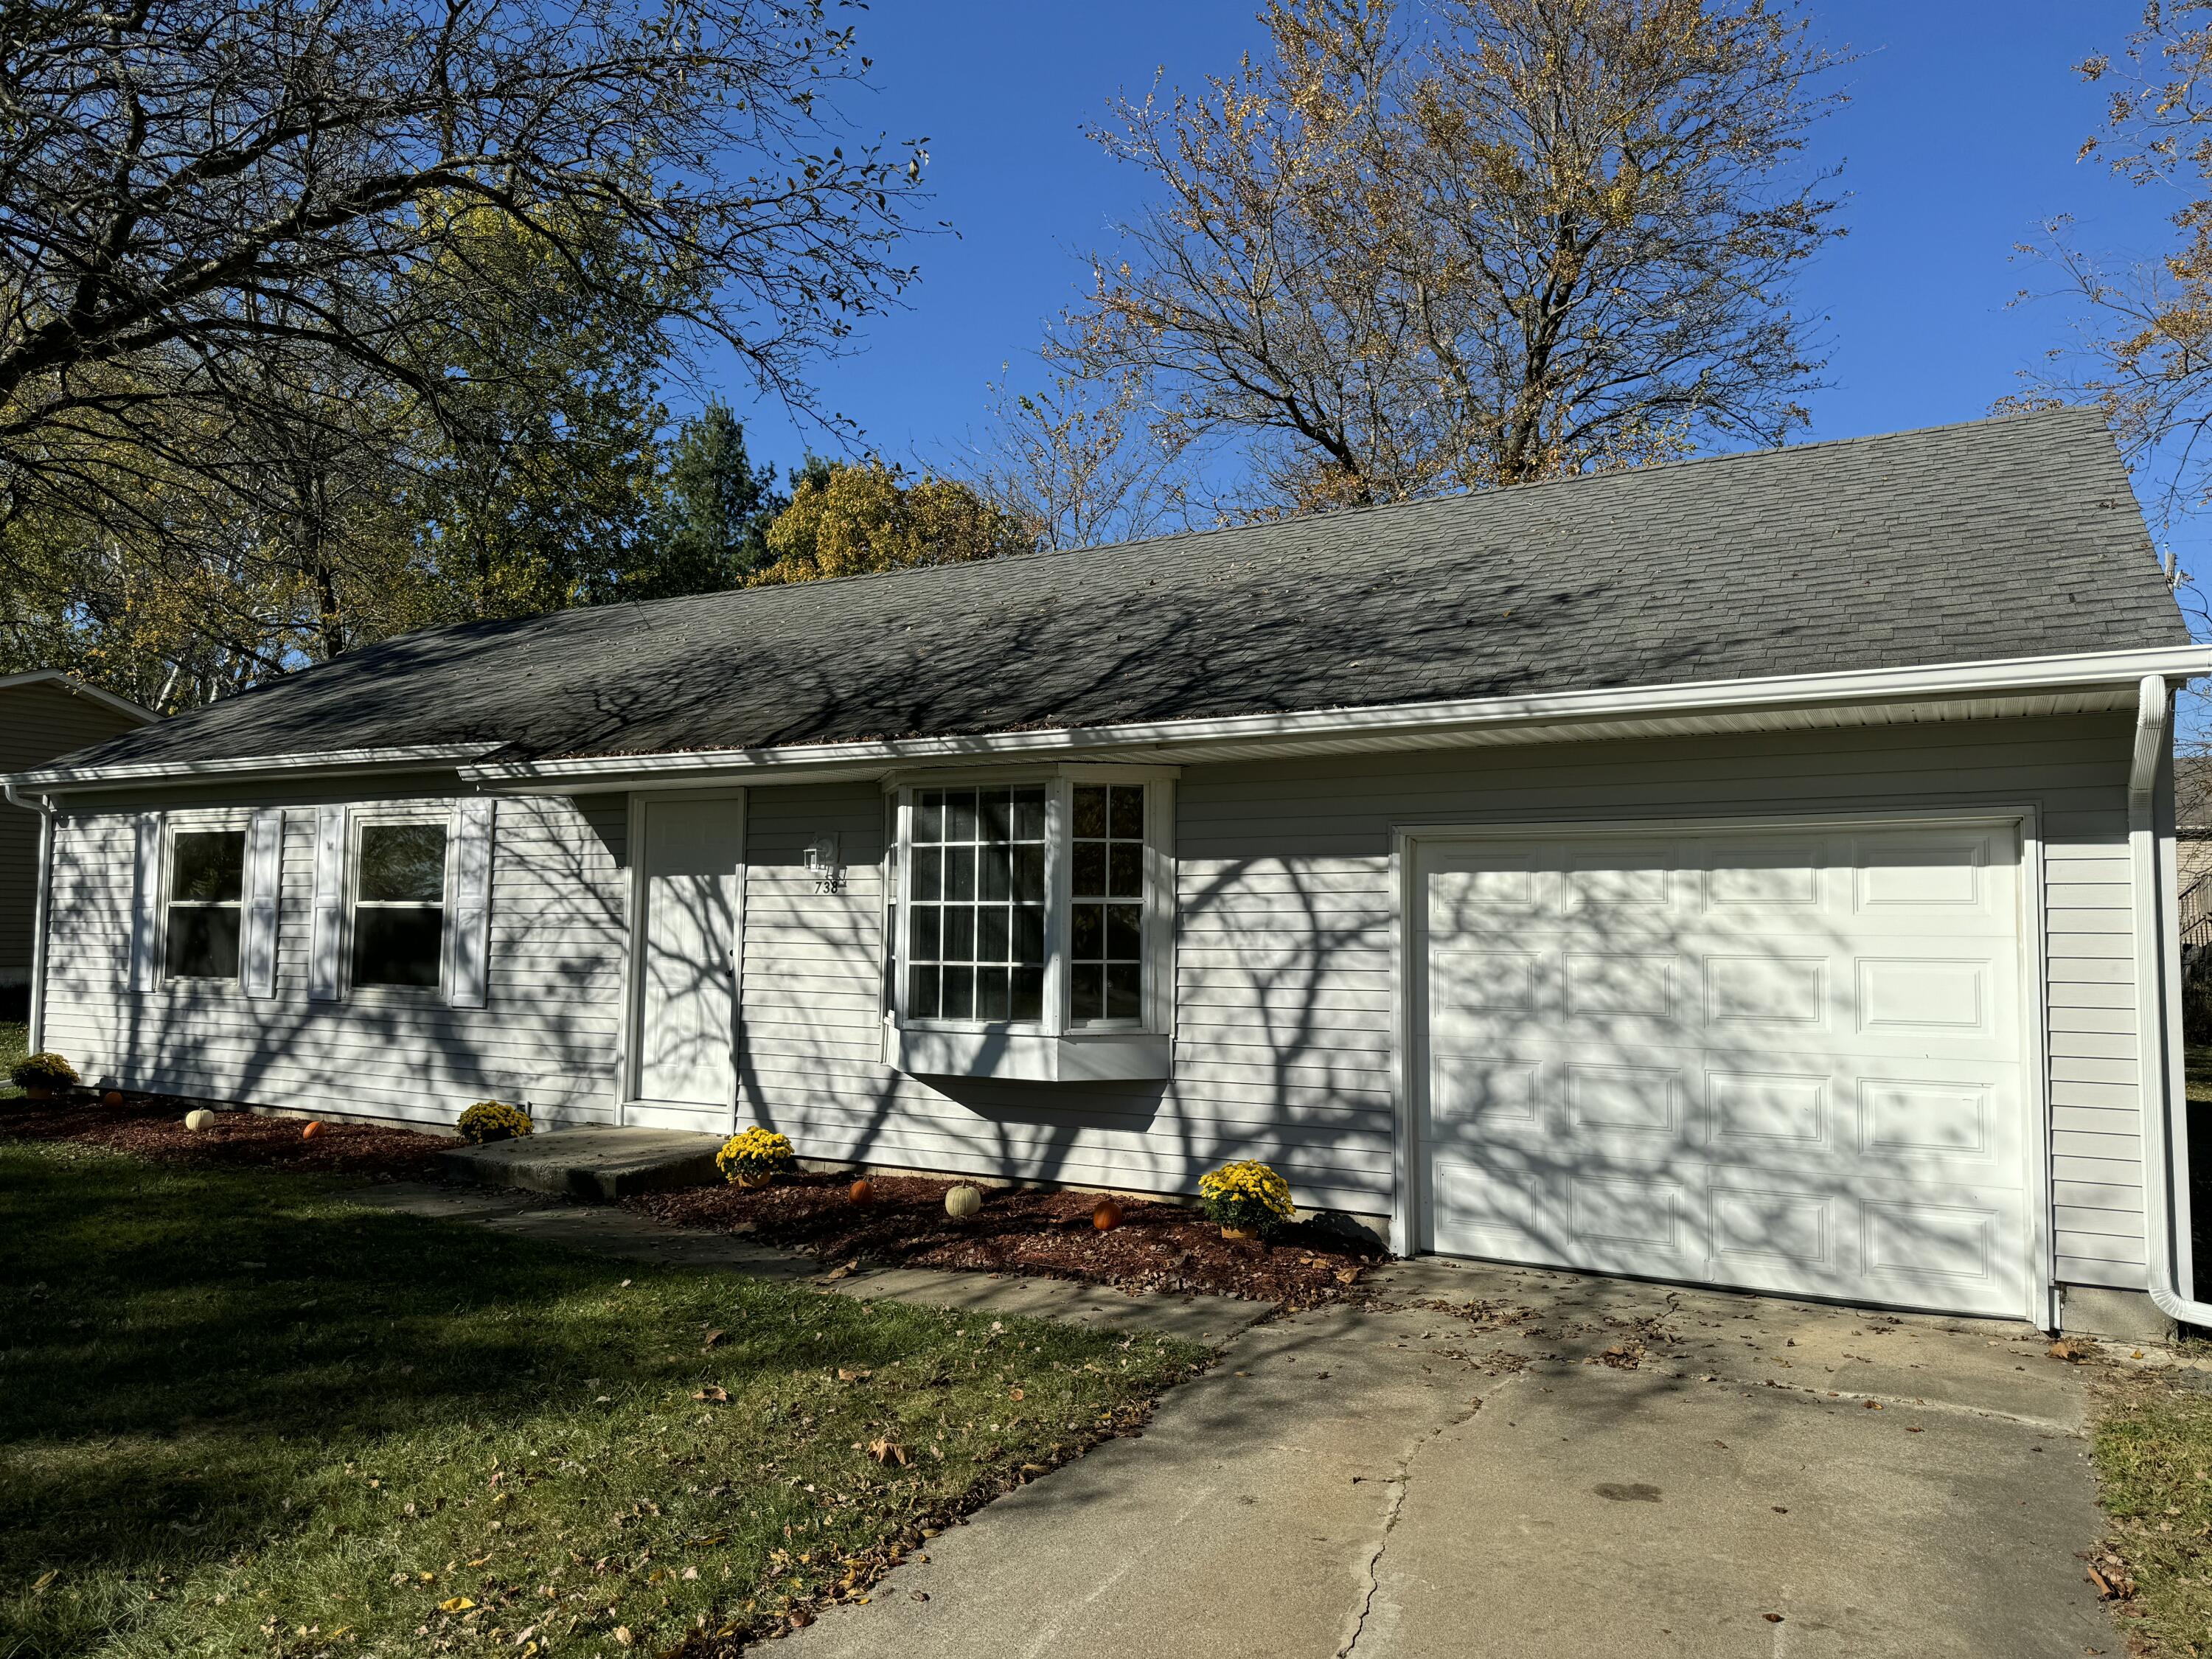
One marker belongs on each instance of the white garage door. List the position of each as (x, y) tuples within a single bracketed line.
[(1785, 1061)]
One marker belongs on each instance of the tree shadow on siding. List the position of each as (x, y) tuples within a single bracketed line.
[(547, 1035)]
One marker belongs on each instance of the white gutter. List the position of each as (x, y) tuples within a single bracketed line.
[(1438, 720), (329, 763), (2157, 1017), (36, 1029)]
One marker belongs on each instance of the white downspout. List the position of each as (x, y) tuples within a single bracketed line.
[(45, 808), (2158, 1014)]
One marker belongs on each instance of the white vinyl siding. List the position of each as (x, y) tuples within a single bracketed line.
[(546, 1034), (1284, 967)]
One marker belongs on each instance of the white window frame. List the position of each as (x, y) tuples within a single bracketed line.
[(1037, 1048), (361, 818), (202, 821)]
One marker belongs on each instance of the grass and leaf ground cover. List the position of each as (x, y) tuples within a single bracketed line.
[(2152, 1447), (13, 1034), (240, 1415)]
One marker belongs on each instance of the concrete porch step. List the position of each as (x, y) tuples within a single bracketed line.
[(597, 1163)]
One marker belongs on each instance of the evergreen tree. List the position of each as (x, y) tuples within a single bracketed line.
[(715, 510)]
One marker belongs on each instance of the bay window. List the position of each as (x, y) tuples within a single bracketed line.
[(1030, 925)]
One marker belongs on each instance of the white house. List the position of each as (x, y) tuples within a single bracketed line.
[(1758, 872)]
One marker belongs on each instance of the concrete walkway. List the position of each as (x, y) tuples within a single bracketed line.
[(1212, 1320), (1409, 1481)]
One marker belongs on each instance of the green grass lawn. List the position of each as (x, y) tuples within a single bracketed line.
[(240, 1415), (2154, 1453), (12, 1035)]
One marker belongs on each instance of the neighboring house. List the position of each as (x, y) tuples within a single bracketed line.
[(2192, 830), (1757, 871), (42, 715)]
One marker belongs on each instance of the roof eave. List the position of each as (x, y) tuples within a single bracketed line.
[(1885, 694), (1711, 705), (331, 763)]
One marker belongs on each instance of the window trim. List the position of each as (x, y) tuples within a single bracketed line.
[(1054, 1047), (202, 821), (358, 818)]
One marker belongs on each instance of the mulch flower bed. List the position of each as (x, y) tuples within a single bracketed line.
[(153, 1126), (1157, 1247)]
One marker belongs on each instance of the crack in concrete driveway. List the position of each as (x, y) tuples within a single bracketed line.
[(1400, 1483), (1563, 1466)]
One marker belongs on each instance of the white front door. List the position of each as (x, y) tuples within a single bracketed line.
[(1787, 1060), (691, 854)]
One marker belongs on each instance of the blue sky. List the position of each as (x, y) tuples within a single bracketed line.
[(1959, 142)]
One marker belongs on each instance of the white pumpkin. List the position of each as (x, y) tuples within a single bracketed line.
[(961, 1202), (199, 1118)]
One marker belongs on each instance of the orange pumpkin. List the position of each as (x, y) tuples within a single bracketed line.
[(1107, 1215), (864, 1191), (112, 1098), (311, 1131)]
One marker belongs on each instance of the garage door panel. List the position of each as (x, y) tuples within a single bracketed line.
[(1788, 1061), (1909, 879), (1767, 989), (1772, 1231), (1606, 879), (1943, 1247), (1468, 893), (1627, 1219), (1480, 1096), (1500, 1206), (1753, 1115), (1768, 882)]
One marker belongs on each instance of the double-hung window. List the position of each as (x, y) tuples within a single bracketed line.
[(206, 904), (976, 941), (1106, 899), (1030, 926), (399, 903)]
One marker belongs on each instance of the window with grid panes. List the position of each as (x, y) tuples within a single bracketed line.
[(975, 938), (1106, 901)]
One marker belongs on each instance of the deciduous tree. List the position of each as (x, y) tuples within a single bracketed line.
[(847, 521), (1500, 240), (2143, 347)]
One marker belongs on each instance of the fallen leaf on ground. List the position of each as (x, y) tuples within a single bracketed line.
[(712, 1338), (716, 1396), (1015, 1394), (2073, 1349), (455, 1604), (884, 1451), (845, 1375)]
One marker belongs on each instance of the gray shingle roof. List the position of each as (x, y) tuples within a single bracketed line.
[(2001, 538)]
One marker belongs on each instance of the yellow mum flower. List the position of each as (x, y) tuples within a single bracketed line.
[(493, 1120), (757, 1151)]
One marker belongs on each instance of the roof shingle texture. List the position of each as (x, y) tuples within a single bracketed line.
[(2002, 538)]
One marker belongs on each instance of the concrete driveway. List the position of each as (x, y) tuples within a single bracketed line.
[(1504, 1461)]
